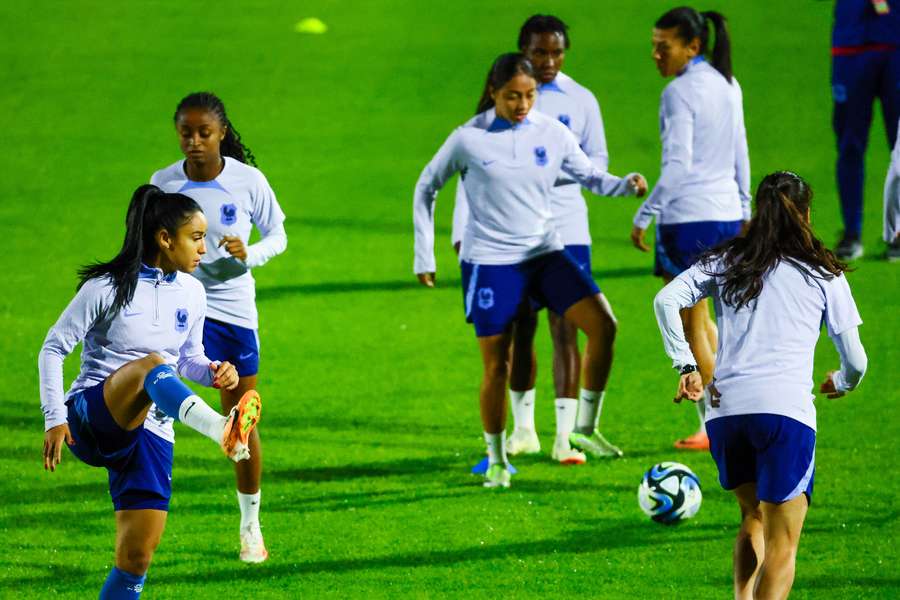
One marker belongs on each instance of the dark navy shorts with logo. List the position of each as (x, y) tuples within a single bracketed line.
[(139, 462), (494, 295), (680, 244), (778, 453), (238, 345)]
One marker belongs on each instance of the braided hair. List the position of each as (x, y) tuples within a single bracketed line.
[(231, 146)]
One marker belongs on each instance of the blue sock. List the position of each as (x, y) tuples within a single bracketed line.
[(121, 585), (166, 389)]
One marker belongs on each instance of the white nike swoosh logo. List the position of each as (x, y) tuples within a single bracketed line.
[(245, 356), (132, 314)]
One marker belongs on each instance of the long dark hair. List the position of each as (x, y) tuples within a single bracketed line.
[(231, 146), (537, 24), (504, 68), (779, 231), (150, 210), (692, 24)]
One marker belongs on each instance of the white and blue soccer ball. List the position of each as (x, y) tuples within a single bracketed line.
[(669, 493)]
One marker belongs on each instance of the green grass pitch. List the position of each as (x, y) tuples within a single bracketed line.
[(370, 382)]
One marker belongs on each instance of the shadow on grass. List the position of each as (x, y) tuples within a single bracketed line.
[(367, 226)]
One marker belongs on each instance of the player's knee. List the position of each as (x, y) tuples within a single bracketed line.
[(137, 560), (497, 370), (154, 359)]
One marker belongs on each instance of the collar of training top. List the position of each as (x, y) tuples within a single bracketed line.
[(694, 61), (501, 124), (156, 274), (550, 86)]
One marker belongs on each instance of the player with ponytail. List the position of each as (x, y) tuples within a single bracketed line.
[(140, 318), (702, 196), (773, 289), (220, 173)]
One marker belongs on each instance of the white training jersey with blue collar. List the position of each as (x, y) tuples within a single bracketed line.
[(764, 360), (705, 163), (238, 198), (575, 107), (509, 171), (164, 316)]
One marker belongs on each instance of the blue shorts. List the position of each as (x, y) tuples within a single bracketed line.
[(139, 462), (238, 345), (679, 245), (776, 452), (494, 295)]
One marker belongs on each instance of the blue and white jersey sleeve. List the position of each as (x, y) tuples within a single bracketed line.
[(892, 195), (87, 307), (677, 132), (436, 173), (686, 290), (577, 165), (268, 217), (741, 154), (593, 140), (193, 363)]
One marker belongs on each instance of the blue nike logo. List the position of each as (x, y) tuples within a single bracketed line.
[(246, 356), (485, 163)]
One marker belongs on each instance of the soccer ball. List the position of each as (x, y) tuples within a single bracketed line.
[(669, 493)]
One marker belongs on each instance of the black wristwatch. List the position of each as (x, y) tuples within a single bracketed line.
[(688, 369)]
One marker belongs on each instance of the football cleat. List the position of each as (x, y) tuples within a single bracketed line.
[(497, 476), (892, 254), (565, 454), (849, 248), (241, 421), (698, 441), (594, 444), (523, 441), (253, 549)]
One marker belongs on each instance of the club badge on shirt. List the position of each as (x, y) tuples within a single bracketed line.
[(540, 156), (228, 214), (181, 319)]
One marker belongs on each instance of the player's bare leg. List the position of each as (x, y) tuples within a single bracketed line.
[(749, 546), (523, 371), (566, 377), (783, 524), (495, 353)]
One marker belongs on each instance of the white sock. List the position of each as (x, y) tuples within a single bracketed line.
[(249, 504), (196, 414), (523, 409), (590, 404), (496, 447), (701, 409), (566, 411)]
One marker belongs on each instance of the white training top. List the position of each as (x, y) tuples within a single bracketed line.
[(892, 194), (576, 108), (705, 166), (164, 316), (238, 198), (509, 170), (764, 362)]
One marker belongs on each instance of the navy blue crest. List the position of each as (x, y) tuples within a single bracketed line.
[(485, 298), (228, 214), (181, 319), (565, 120), (540, 156)]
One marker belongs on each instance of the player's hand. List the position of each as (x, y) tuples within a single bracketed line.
[(637, 239), (456, 247), (225, 376), (234, 246), (828, 388), (426, 279), (53, 444), (690, 387), (638, 184)]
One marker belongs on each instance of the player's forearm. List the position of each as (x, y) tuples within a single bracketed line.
[(50, 369), (853, 360), (273, 243), (667, 305)]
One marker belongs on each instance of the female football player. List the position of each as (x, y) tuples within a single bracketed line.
[(236, 196), (772, 289), (703, 193), (140, 318), (510, 158)]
